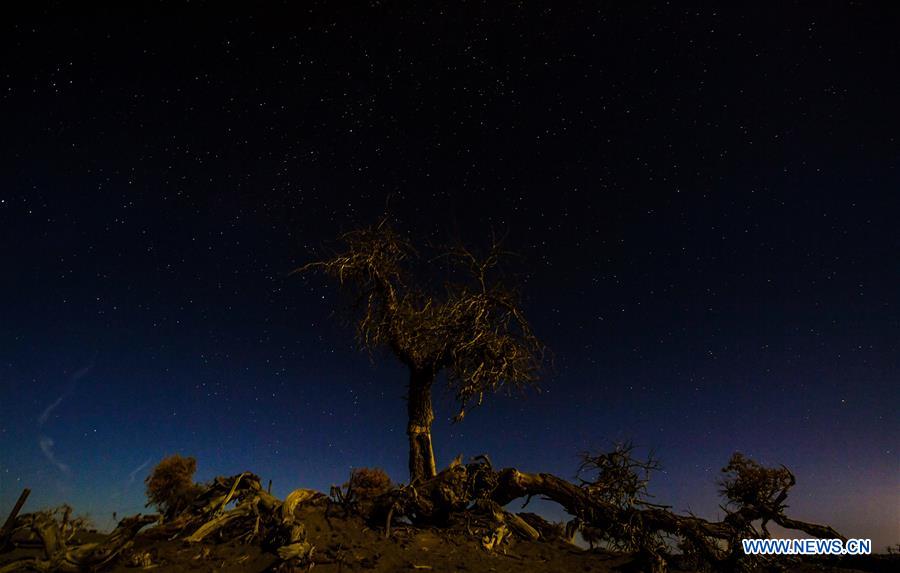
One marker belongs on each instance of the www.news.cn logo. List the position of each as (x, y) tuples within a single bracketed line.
[(807, 546)]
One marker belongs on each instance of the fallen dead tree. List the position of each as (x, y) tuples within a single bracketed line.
[(609, 507), (227, 509), (256, 516), (55, 534)]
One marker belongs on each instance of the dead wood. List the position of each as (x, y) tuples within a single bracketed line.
[(256, 515), (7, 528), (608, 507), (546, 530), (85, 557), (220, 521), (481, 493)]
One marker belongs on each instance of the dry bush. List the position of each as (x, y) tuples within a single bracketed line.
[(368, 483), (171, 487), (747, 483), (69, 526), (620, 479), (617, 477)]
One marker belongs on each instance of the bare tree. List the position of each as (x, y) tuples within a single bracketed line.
[(471, 329)]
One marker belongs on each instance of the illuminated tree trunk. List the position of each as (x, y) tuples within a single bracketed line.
[(421, 415)]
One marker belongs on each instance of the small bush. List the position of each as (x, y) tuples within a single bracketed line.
[(368, 483), (618, 477), (171, 487), (68, 526), (748, 483)]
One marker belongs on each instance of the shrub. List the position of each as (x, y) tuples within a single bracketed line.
[(748, 483), (368, 483), (170, 486)]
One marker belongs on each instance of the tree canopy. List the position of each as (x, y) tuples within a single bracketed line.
[(470, 327)]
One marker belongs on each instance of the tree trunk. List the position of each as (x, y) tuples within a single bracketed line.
[(421, 415)]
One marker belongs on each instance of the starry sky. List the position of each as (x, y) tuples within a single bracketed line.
[(704, 198)]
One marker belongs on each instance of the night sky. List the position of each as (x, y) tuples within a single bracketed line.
[(705, 201)]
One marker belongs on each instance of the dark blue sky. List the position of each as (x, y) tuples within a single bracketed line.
[(705, 199)]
